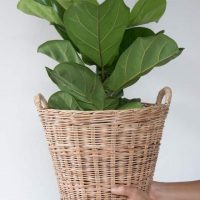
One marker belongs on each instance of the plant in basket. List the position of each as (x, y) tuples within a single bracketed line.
[(97, 137)]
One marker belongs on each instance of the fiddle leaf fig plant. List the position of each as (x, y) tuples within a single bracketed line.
[(106, 36)]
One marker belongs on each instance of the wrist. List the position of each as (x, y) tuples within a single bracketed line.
[(159, 191)]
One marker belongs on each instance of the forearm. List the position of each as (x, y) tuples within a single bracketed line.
[(176, 191)]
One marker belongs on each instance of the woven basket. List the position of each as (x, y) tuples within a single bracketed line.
[(94, 150)]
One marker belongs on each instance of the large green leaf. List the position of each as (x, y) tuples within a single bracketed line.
[(82, 83), (63, 101), (131, 34), (140, 58), (111, 103), (61, 51), (131, 105), (146, 11), (67, 3), (97, 30), (32, 7)]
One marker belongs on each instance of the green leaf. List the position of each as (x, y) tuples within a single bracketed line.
[(111, 103), (146, 11), (131, 105), (63, 101), (44, 2), (87, 61), (32, 7), (141, 57), (61, 51), (58, 8), (131, 34), (67, 3), (173, 57), (124, 101), (82, 83), (97, 30), (61, 31)]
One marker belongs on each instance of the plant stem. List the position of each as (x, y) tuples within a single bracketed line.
[(102, 74)]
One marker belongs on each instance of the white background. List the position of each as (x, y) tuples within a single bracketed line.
[(26, 171)]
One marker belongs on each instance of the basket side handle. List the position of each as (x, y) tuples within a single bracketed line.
[(167, 93), (40, 102)]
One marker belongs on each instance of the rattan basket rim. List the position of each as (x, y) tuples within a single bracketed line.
[(166, 92), (150, 106)]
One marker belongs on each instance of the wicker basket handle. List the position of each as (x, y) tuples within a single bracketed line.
[(167, 93), (40, 102)]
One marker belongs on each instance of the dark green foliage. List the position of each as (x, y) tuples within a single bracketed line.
[(106, 36)]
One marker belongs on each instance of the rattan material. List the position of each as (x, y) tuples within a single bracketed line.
[(94, 150)]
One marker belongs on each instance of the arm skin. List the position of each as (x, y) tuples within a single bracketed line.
[(176, 191), (162, 191)]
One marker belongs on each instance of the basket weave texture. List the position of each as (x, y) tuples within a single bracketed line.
[(95, 150)]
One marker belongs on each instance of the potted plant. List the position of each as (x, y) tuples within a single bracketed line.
[(96, 136)]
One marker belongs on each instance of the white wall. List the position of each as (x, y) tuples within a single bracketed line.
[(26, 171)]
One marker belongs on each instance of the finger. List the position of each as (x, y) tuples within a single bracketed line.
[(127, 191)]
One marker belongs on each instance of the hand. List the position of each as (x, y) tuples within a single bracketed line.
[(162, 191), (130, 192)]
